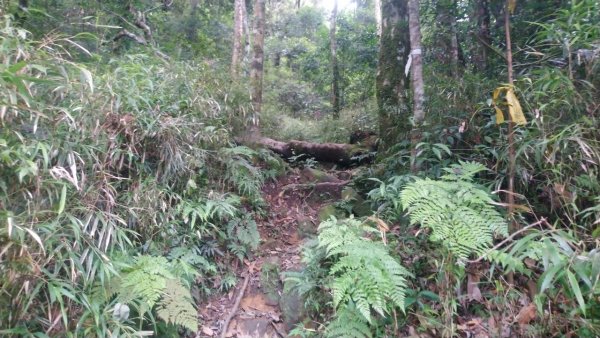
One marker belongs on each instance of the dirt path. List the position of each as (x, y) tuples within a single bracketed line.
[(294, 202)]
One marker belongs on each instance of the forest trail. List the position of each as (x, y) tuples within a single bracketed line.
[(296, 202)]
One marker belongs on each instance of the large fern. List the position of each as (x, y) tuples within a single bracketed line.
[(459, 212), (176, 306), (155, 283), (349, 323), (364, 272)]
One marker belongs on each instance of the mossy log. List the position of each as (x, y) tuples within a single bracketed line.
[(338, 153)]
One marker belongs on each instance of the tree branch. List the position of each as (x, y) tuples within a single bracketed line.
[(127, 34)]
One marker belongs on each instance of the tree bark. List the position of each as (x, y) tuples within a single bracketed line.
[(378, 16), (392, 82), (256, 73), (447, 33), (511, 126), (335, 71), (482, 13), (247, 35), (238, 31), (418, 85)]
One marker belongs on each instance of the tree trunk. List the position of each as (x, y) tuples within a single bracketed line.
[(482, 13), (418, 85), (378, 16), (335, 72), (238, 31), (256, 73), (246, 33), (511, 126), (447, 34), (392, 82)]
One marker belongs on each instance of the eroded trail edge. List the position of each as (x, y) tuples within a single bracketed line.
[(296, 203)]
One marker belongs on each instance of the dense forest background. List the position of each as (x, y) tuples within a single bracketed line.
[(439, 161)]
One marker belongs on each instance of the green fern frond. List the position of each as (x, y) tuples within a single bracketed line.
[(175, 306), (146, 280), (364, 273), (459, 213), (348, 323), (154, 282)]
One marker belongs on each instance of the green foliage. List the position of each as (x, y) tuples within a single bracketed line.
[(312, 279), (243, 235), (108, 160), (176, 306), (459, 212), (364, 272), (241, 173), (562, 261), (154, 283), (349, 322), (359, 270)]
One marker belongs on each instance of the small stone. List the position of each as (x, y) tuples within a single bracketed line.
[(207, 331)]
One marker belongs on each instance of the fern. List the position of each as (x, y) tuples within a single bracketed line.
[(146, 280), (244, 231), (241, 173), (459, 212), (188, 262), (348, 323), (244, 236), (157, 283), (364, 272), (176, 306)]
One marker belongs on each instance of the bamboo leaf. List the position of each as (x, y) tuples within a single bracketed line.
[(576, 290), (86, 76), (63, 200), (548, 277), (36, 237)]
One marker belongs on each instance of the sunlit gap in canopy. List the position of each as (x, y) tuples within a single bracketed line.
[(342, 4)]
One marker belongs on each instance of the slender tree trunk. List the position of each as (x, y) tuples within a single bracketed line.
[(378, 16), (454, 47), (482, 13), (238, 31), (335, 71), (392, 82), (418, 85), (447, 34), (256, 73), (247, 34), (511, 126)]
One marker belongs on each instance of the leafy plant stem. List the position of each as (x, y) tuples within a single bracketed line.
[(508, 239)]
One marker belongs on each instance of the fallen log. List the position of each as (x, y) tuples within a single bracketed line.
[(338, 153)]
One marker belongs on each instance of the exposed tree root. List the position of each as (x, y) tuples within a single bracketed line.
[(236, 305)]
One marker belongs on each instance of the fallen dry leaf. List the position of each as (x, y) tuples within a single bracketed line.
[(473, 291), (207, 331), (527, 314)]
